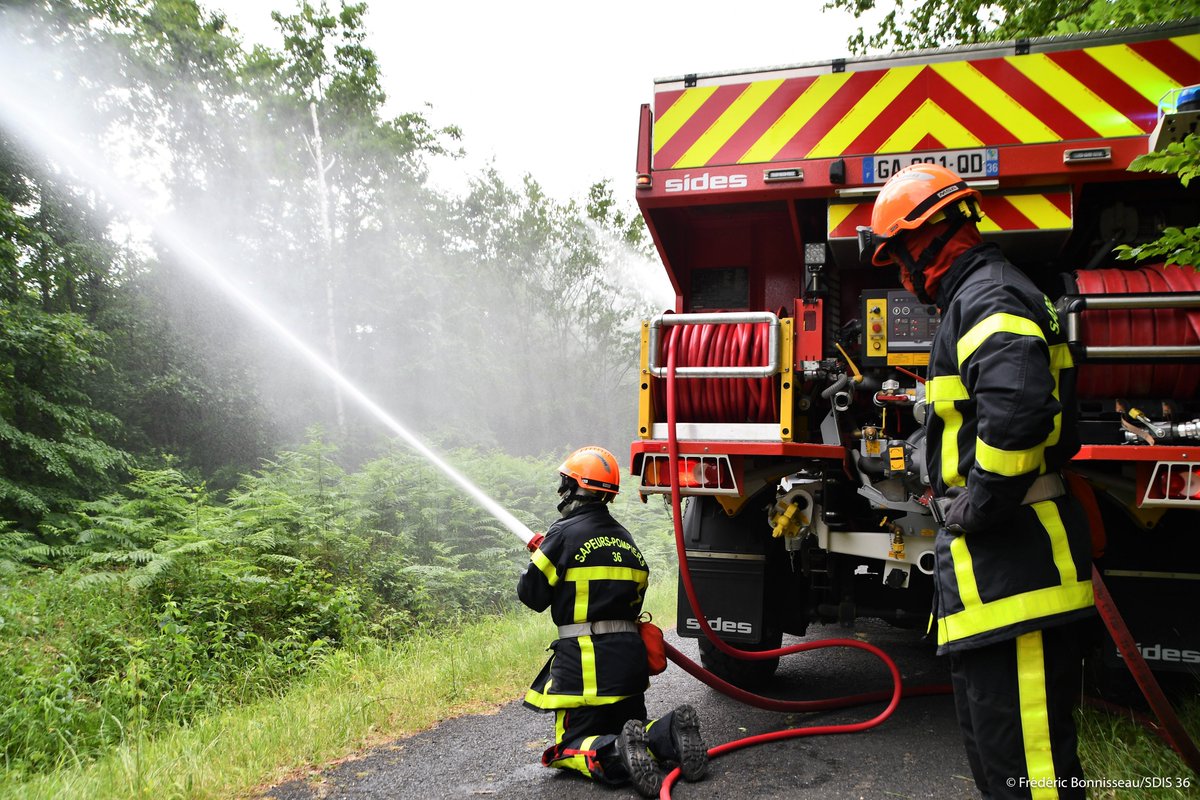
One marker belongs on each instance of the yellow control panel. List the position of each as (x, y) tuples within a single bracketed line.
[(898, 329)]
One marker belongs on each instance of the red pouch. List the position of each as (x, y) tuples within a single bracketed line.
[(656, 652)]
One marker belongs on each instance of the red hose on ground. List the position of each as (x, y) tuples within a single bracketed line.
[(707, 677)]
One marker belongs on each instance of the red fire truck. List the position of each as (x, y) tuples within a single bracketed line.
[(797, 371)]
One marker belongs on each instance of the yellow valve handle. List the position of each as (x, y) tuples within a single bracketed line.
[(786, 523)]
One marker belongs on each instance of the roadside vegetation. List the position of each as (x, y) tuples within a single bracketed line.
[(160, 603), (1116, 748), (355, 698), (306, 610)]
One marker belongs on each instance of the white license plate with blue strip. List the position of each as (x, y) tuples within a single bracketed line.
[(982, 162)]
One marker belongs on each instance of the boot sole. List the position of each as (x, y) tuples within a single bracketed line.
[(685, 734), (643, 769)]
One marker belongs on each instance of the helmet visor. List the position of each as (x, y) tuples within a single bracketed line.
[(870, 243)]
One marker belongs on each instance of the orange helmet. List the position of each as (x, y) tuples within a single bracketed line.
[(914, 196), (593, 468)]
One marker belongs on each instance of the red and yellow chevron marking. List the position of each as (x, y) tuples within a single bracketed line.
[(1002, 213), (1091, 93)]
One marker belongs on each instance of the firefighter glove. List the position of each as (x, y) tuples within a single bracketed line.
[(956, 511)]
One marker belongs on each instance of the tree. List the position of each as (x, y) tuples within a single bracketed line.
[(941, 23), (54, 443), (346, 224), (1175, 245)]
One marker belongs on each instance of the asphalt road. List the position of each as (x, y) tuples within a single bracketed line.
[(914, 754)]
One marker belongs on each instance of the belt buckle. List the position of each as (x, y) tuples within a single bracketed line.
[(937, 507)]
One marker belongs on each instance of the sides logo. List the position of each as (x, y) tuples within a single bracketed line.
[(1156, 652), (705, 182), (720, 625)]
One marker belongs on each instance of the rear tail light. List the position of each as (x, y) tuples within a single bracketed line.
[(696, 475), (1173, 483), (1182, 484)]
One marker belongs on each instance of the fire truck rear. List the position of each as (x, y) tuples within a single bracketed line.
[(797, 370)]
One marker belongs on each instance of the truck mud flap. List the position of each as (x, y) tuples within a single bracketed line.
[(727, 559)]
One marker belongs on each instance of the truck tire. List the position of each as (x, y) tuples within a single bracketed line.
[(742, 673)]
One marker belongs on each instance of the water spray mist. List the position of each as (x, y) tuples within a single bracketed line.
[(23, 116)]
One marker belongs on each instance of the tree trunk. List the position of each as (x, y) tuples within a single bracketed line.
[(326, 260)]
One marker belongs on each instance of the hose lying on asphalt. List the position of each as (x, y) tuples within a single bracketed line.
[(758, 701)]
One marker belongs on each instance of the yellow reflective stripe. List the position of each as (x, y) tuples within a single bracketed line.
[(810, 101), (1000, 105), (1189, 44), (987, 225), (740, 110), (1060, 359), (929, 119), (1035, 716), (545, 566), (1047, 512), (551, 702), (582, 576), (1034, 604), (996, 323), (679, 113), (577, 761), (582, 599), (838, 213), (945, 387), (1129, 66), (964, 572), (952, 423), (587, 663), (865, 111), (1008, 462), (638, 576), (1040, 211), (1085, 104)]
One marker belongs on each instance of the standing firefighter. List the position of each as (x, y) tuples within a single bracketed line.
[(1013, 552), (590, 574)]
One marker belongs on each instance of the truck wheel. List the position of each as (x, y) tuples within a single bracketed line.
[(742, 673)]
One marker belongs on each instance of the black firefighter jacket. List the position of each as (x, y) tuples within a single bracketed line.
[(588, 569), (1001, 392)]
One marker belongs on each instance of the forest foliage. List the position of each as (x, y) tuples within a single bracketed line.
[(190, 515), (163, 600)]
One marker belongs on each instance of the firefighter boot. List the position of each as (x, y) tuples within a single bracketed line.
[(675, 741), (635, 756)]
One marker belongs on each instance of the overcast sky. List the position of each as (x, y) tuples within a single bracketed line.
[(553, 88)]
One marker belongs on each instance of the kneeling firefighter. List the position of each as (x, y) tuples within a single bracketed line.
[(589, 572)]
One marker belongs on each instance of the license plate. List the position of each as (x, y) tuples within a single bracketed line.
[(982, 162)]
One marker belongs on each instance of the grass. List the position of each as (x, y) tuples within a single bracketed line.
[(359, 699), (354, 700), (1115, 749)]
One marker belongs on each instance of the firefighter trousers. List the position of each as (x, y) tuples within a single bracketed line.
[(585, 739), (1015, 702)]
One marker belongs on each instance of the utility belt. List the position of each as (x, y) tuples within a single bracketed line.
[(597, 628), (1046, 487)]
